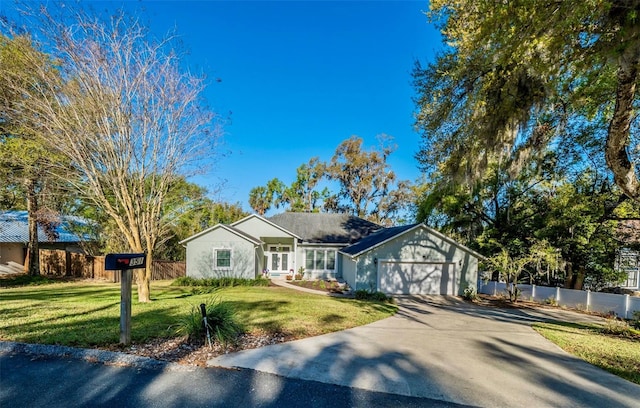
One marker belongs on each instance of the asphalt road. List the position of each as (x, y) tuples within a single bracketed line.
[(38, 380)]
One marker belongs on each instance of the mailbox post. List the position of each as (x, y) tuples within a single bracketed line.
[(125, 263)]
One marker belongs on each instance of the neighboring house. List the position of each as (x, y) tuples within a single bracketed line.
[(628, 259), (412, 259), (14, 236)]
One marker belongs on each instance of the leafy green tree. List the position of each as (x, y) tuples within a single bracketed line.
[(263, 198), (517, 77), (26, 160), (368, 187), (302, 195)]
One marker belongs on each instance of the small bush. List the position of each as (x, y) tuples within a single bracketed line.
[(551, 301), (26, 280), (469, 293), (635, 322), (221, 319), (219, 282), (617, 327)]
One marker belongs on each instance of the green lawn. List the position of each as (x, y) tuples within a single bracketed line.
[(88, 314), (617, 354)]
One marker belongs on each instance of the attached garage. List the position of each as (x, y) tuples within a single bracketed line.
[(410, 260), (416, 278)]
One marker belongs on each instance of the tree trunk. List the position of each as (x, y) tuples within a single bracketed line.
[(579, 279), (568, 280), (623, 169), (143, 280), (33, 260)]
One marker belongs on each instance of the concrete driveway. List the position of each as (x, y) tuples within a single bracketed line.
[(442, 348)]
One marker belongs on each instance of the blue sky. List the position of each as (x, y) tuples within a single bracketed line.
[(299, 77)]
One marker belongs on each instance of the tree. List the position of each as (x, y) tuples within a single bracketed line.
[(262, 198), (366, 181), (302, 195), (25, 160), (127, 115), (541, 255), (518, 76)]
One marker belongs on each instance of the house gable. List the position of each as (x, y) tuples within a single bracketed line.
[(388, 234), (258, 226)]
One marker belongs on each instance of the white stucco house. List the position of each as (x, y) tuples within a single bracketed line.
[(411, 259)]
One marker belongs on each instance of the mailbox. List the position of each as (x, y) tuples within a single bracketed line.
[(120, 262), (125, 263)]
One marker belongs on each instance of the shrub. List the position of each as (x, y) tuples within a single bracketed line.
[(219, 282), (635, 322), (469, 293), (617, 327), (221, 319), (362, 294)]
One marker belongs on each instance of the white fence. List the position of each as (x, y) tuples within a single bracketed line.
[(620, 305)]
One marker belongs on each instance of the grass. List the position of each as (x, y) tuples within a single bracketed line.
[(88, 314), (615, 351)]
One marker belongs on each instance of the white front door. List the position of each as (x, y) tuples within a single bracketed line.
[(279, 260)]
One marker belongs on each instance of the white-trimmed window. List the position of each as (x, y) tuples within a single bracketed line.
[(222, 258), (320, 259)]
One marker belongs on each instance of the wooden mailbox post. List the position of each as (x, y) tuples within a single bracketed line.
[(125, 263)]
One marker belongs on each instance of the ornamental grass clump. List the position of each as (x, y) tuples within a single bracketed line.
[(222, 322)]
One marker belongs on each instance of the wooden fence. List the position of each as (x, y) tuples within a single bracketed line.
[(62, 263)]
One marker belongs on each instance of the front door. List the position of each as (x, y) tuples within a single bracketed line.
[(279, 260)]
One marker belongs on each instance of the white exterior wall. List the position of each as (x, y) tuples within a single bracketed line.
[(348, 270), (200, 255)]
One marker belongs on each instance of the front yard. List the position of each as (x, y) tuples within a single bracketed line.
[(88, 314)]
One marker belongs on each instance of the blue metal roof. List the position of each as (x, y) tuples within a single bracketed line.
[(14, 227)]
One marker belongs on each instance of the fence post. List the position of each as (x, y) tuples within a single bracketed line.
[(558, 294), (495, 288), (627, 301), (588, 299), (533, 292)]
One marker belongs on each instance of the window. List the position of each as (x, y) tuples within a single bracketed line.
[(309, 259), (331, 260), (632, 279), (222, 258), (320, 259)]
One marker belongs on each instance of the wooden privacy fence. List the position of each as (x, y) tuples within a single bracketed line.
[(63, 263)]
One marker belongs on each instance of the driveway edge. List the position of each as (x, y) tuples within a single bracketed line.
[(91, 355)]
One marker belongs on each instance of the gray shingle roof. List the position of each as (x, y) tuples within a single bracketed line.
[(325, 228), (14, 227), (375, 239)]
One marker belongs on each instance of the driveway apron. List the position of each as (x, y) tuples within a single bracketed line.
[(442, 348)]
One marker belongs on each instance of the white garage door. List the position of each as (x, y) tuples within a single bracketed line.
[(417, 278)]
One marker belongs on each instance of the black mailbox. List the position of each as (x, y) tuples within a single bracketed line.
[(120, 262)]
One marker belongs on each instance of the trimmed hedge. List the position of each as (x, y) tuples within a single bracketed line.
[(363, 294), (219, 282)]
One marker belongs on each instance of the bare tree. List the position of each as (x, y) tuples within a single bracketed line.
[(127, 115)]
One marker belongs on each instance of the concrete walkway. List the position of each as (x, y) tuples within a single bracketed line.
[(285, 284), (446, 349)]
